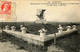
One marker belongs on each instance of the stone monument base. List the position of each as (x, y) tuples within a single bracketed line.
[(41, 21)]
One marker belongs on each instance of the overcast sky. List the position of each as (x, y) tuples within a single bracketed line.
[(27, 12)]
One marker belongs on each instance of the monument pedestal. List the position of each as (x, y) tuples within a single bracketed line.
[(41, 21), (13, 28), (23, 30), (7, 27)]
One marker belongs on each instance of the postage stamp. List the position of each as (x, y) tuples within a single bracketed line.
[(5, 7), (5, 10)]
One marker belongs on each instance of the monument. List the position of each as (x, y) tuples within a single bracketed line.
[(40, 16)]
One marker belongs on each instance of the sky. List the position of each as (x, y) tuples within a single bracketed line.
[(24, 11)]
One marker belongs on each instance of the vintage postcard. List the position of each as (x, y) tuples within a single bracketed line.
[(39, 25)]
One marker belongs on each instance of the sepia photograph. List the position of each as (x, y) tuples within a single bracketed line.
[(39, 25)]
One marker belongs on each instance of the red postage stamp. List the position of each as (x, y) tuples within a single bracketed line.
[(5, 7)]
